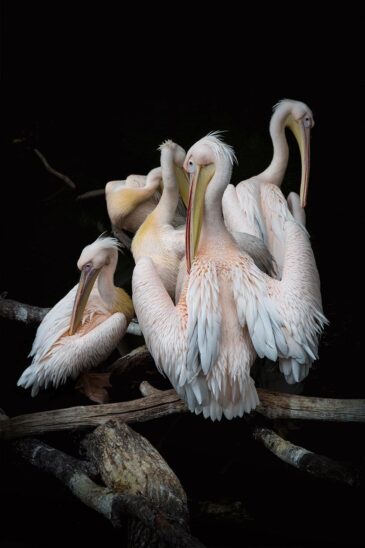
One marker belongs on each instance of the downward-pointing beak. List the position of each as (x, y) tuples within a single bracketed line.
[(86, 283), (183, 184), (302, 135), (199, 181)]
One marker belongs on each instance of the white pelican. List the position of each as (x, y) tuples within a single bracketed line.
[(257, 206), (156, 237), (229, 310), (130, 202), (85, 326)]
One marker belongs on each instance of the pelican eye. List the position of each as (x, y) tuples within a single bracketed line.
[(87, 266), (307, 121), (191, 166)]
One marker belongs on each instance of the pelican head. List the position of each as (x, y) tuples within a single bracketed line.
[(298, 117), (169, 148), (130, 201), (94, 257), (203, 160)]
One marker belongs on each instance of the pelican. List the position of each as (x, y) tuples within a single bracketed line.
[(83, 328), (156, 237), (129, 202), (229, 310), (257, 206)]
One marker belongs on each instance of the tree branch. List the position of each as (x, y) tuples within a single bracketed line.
[(26, 313), (317, 465), (29, 314), (91, 194), (72, 473), (66, 180), (162, 403), (141, 410)]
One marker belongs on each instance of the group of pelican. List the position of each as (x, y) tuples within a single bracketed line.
[(230, 278)]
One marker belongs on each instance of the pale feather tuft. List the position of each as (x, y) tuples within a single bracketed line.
[(106, 242), (283, 103), (169, 143), (220, 149)]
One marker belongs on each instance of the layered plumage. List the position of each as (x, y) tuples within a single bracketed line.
[(83, 328), (229, 311), (257, 206), (157, 238)]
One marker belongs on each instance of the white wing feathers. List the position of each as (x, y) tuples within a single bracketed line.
[(73, 354), (204, 319), (54, 325), (284, 318)]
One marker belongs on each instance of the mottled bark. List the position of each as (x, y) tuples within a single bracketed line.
[(129, 464), (319, 466)]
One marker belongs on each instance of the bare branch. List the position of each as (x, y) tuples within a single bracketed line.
[(167, 402), (147, 389), (91, 194), (317, 465), (26, 313), (277, 405), (129, 464), (29, 314), (72, 473), (66, 180), (141, 410)]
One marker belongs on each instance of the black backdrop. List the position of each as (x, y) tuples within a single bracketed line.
[(96, 92)]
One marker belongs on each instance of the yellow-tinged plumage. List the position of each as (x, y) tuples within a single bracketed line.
[(82, 329)]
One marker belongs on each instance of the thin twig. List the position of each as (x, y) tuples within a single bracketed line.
[(53, 171), (91, 194)]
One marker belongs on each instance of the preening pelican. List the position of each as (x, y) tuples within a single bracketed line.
[(130, 202), (229, 310), (157, 238), (84, 327), (257, 206)]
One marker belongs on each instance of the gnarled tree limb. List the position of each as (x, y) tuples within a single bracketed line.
[(113, 505), (129, 464), (162, 403), (307, 461)]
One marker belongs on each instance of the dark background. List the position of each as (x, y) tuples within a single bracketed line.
[(96, 92)]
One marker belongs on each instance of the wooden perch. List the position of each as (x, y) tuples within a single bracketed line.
[(141, 410), (25, 313), (167, 402), (28, 314), (113, 505), (129, 464), (277, 405), (317, 465)]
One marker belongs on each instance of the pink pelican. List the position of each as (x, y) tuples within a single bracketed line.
[(129, 202), (229, 310), (157, 238), (83, 328), (257, 205)]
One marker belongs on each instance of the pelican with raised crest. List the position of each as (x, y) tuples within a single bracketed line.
[(82, 329), (229, 311)]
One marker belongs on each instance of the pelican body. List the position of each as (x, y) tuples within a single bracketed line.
[(257, 206), (83, 328), (157, 238), (229, 310)]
